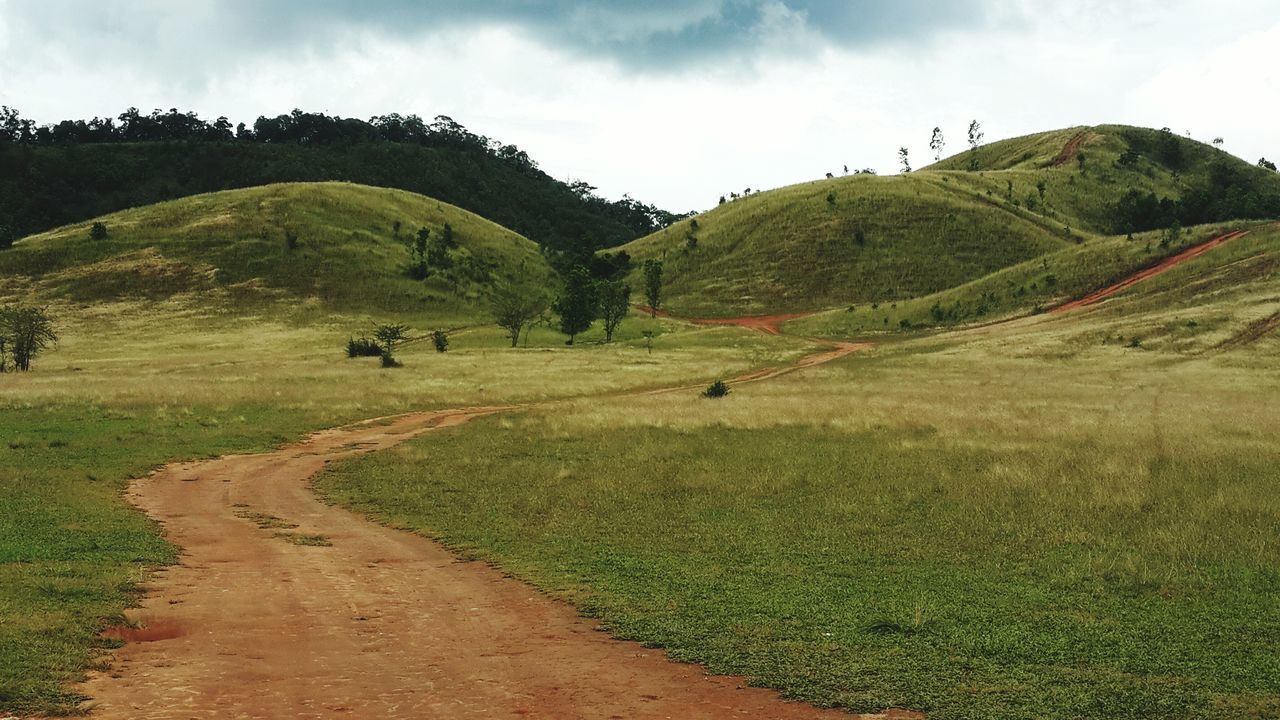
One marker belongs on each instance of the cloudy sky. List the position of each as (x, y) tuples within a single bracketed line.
[(673, 102)]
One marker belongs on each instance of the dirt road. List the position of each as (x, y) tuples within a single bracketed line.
[(768, 324), (1161, 267), (364, 621)]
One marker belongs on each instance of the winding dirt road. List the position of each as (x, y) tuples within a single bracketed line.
[(284, 607)]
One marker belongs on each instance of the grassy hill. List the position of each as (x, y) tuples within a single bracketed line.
[(835, 241), (234, 246), (865, 239)]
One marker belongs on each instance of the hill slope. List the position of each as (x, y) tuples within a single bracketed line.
[(866, 239), (850, 239), (234, 245)]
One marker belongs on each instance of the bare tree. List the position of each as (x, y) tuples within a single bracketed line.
[(937, 143)]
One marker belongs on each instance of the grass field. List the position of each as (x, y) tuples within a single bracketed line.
[(1058, 516), (939, 526), (124, 392)]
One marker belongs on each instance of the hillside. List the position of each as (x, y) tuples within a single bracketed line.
[(73, 171), (851, 239), (863, 239), (235, 246), (1115, 179)]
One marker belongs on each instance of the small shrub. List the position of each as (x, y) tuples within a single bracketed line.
[(440, 339), (390, 362), (363, 347), (290, 240), (98, 231), (717, 389)]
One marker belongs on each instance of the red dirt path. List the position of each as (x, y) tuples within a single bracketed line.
[(1161, 267), (1070, 152), (380, 624), (769, 324)]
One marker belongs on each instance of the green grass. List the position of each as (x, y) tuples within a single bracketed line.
[(1042, 283), (71, 552), (791, 249), (936, 526), (132, 385), (230, 249)]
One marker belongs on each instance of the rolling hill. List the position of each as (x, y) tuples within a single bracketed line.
[(863, 239), (332, 244)]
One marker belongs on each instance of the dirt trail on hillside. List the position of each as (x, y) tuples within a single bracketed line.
[(768, 324), (1069, 152), (1161, 267), (380, 623)]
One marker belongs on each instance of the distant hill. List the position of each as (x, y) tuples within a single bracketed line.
[(76, 170), (334, 244), (864, 239)]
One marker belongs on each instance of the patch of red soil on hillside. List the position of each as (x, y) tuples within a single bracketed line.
[(1070, 152), (769, 324)]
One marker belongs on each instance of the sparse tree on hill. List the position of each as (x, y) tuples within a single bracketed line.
[(98, 231), (517, 306), (1081, 159), (1266, 164), (653, 286), (904, 157), (418, 254), (1218, 142), (577, 305), (615, 302), (446, 237), (937, 143), (1041, 186), (24, 332), (389, 335), (975, 141)]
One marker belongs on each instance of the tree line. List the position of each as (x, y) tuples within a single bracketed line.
[(74, 170)]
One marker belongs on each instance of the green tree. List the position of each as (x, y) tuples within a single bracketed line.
[(653, 286), (975, 141), (447, 237), (440, 339), (1041, 186), (389, 335), (418, 254), (577, 305), (516, 307), (98, 231), (1266, 164), (615, 303), (24, 332)]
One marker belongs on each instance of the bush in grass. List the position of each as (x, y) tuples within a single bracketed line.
[(390, 362), (98, 231), (363, 347), (441, 340), (717, 389)]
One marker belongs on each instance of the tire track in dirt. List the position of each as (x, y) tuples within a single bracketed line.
[(1163, 266), (381, 623)]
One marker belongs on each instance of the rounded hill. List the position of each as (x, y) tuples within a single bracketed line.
[(347, 247)]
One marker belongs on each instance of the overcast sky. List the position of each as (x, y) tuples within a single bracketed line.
[(673, 102)]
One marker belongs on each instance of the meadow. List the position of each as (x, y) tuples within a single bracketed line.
[(942, 525), (133, 385)]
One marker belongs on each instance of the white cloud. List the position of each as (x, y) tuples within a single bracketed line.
[(680, 139)]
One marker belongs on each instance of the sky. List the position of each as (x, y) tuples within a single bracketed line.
[(675, 103)]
